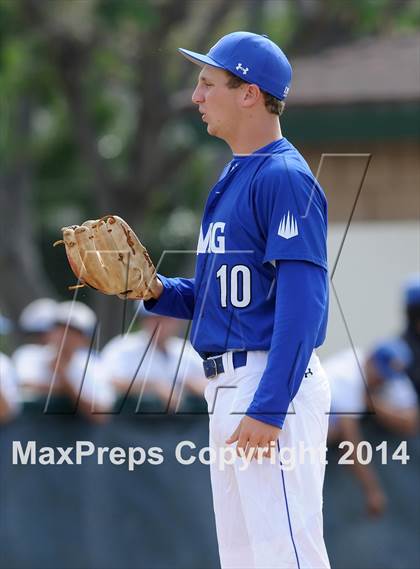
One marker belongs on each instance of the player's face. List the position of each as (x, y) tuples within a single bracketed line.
[(217, 104)]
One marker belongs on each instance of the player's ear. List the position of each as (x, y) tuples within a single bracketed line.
[(251, 95)]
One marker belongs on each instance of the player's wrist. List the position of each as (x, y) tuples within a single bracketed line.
[(158, 289)]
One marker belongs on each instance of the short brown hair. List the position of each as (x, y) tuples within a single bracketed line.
[(273, 105)]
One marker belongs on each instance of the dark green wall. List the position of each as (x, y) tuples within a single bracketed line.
[(356, 122)]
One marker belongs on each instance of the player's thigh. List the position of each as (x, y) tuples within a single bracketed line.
[(232, 533), (266, 514), (302, 449), (282, 505)]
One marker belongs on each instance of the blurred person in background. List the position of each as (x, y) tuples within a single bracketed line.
[(155, 362), (31, 359), (375, 383), (36, 320), (390, 394), (9, 395), (411, 335), (77, 369), (65, 367)]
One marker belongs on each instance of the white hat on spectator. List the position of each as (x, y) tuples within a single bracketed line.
[(77, 315), (38, 316)]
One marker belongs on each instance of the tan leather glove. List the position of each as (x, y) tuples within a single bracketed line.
[(107, 255)]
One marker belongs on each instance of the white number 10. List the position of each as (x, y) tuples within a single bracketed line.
[(237, 273)]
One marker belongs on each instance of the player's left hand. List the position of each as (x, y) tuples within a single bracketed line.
[(254, 434)]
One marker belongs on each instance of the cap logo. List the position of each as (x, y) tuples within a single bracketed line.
[(243, 69), (286, 91)]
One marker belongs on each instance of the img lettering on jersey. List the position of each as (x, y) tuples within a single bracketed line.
[(214, 240), (288, 227)]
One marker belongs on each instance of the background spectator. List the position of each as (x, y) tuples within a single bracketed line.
[(76, 368), (411, 334), (33, 357), (155, 361), (9, 395), (363, 383)]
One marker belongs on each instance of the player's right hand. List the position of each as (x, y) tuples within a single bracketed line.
[(254, 434)]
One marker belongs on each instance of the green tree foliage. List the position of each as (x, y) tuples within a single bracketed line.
[(96, 117)]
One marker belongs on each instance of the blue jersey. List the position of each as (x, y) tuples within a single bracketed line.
[(267, 207), (261, 280)]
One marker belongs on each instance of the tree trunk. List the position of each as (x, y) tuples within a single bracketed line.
[(22, 276)]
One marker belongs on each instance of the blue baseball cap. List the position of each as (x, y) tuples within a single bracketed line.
[(392, 358), (252, 57), (412, 290)]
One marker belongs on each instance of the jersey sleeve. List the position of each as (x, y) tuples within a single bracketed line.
[(301, 297), (177, 299), (291, 211)]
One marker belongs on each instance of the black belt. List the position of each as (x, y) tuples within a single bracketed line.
[(213, 365)]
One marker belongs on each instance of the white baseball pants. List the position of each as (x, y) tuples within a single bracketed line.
[(269, 515)]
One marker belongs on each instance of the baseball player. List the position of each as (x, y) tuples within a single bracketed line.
[(258, 305)]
